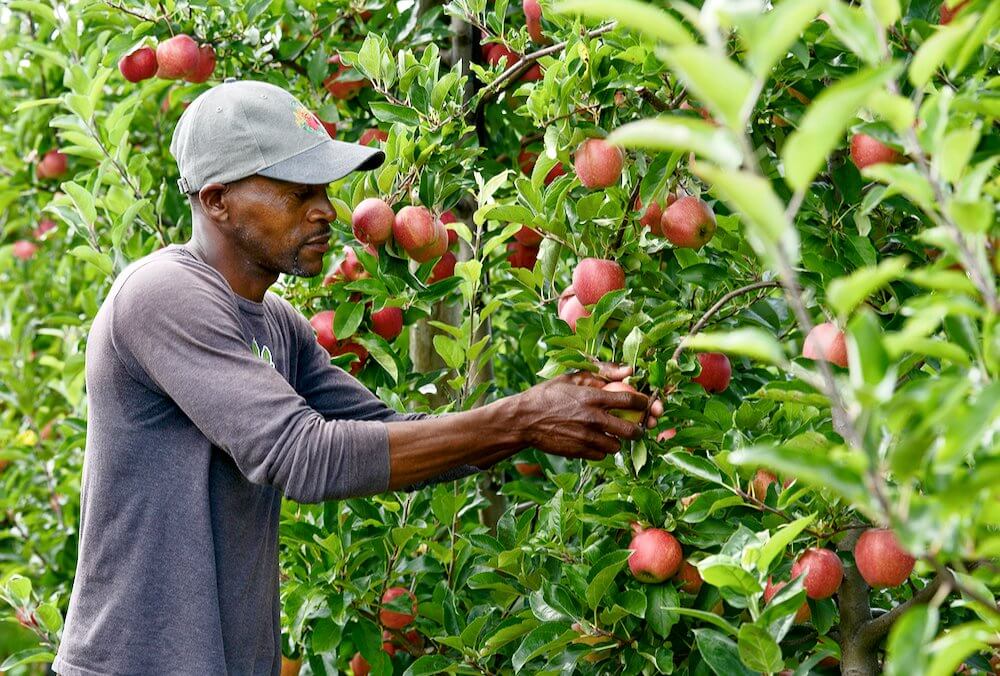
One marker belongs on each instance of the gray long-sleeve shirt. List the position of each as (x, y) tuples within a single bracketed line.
[(204, 409)]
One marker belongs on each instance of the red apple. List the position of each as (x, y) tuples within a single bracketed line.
[(446, 218), (598, 164), (372, 221), (716, 372), (528, 237), (823, 570), (322, 323), (526, 161), (651, 216), (656, 555), (391, 618), (351, 268), (690, 578), (205, 67), (529, 469), (436, 249), (666, 435), (414, 228), (341, 89), (388, 322), (52, 165), (867, 150), (595, 277), (880, 559), (373, 134), (139, 64), (688, 223), (359, 665), (533, 20), (290, 667), (498, 52), (177, 57), (803, 614), (23, 249), (44, 226), (948, 14), (631, 415), (521, 256), (572, 310), (444, 268), (761, 480), (331, 127), (826, 342)]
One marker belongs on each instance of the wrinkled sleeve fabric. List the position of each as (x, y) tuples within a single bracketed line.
[(178, 330), (338, 395)]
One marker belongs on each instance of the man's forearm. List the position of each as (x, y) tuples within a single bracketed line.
[(422, 449)]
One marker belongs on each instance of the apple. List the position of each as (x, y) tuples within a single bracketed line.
[(332, 278), (595, 277), (177, 57), (651, 216), (526, 161), (341, 89), (690, 578), (388, 322), (414, 228), (444, 268), (826, 342), (205, 67), (716, 372), (139, 64), (446, 218), (331, 127), (598, 164), (322, 323), (823, 570), (497, 52), (52, 165), (533, 20), (372, 221), (629, 414), (867, 150), (880, 559), (290, 667), (666, 435), (521, 256), (533, 74), (803, 614), (947, 14), (23, 249), (351, 267), (705, 115), (572, 310), (394, 619), (528, 237), (436, 249), (359, 665), (529, 469), (44, 226), (373, 134), (688, 223), (761, 480), (656, 555)]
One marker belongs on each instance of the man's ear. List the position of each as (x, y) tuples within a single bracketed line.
[(212, 198)]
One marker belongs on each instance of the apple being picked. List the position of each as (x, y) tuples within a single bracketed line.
[(630, 415), (656, 555)]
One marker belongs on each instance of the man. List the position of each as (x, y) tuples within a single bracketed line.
[(210, 399)]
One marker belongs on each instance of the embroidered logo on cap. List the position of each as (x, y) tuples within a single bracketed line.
[(307, 120)]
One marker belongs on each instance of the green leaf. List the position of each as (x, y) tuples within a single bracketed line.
[(763, 213), (695, 466), (906, 649), (390, 112), (749, 342), (720, 653), (428, 664), (638, 16), (451, 352), (610, 565), (505, 213), (541, 639), (937, 48), (660, 599), (815, 468), (866, 354), (758, 650), (825, 122), (950, 649), (717, 81), (777, 543), (20, 588), (903, 180), (854, 27), (723, 571), (27, 656), (83, 200), (768, 38), (846, 293), (347, 319), (681, 133), (706, 616), (99, 260)]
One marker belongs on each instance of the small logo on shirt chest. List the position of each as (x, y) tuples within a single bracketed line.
[(262, 353)]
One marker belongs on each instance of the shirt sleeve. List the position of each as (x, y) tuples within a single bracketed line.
[(178, 331), (336, 394)]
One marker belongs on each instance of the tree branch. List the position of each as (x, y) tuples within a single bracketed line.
[(700, 324), (875, 630)]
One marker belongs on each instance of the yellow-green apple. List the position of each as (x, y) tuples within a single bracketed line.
[(388, 322), (688, 223), (394, 619), (139, 64), (880, 559), (595, 277), (52, 165), (177, 57), (656, 555), (598, 163), (823, 572), (716, 372), (826, 342), (867, 150), (372, 221)]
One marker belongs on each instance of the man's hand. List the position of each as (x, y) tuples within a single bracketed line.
[(607, 373)]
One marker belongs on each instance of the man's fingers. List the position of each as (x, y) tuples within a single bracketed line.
[(656, 409), (610, 371), (651, 422)]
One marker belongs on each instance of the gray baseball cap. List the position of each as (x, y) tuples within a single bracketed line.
[(244, 127)]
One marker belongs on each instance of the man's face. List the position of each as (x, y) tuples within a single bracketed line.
[(274, 222)]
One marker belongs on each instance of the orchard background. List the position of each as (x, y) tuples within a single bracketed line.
[(765, 114)]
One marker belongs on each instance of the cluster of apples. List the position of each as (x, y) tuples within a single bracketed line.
[(497, 54), (177, 58), (25, 249), (395, 620)]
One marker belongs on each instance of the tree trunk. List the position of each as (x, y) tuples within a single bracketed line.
[(858, 656)]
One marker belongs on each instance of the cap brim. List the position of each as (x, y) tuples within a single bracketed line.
[(325, 163)]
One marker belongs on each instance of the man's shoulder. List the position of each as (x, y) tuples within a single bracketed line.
[(169, 274)]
